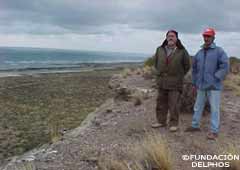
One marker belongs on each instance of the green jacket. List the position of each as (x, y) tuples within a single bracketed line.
[(170, 76)]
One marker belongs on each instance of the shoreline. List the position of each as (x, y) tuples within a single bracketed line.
[(82, 67)]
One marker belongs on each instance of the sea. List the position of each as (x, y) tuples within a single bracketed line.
[(24, 60)]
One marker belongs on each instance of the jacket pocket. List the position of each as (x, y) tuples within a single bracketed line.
[(212, 81), (217, 79), (172, 82)]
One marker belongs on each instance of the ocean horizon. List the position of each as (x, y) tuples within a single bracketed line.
[(23, 59)]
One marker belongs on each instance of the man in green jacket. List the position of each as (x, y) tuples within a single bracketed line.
[(172, 62)]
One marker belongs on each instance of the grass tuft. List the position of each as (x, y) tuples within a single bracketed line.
[(151, 153), (232, 82)]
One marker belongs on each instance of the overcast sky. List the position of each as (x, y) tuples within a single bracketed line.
[(117, 25)]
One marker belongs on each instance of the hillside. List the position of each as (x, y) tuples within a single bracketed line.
[(123, 122)]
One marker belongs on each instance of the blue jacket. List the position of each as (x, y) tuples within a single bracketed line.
[(209, 68)]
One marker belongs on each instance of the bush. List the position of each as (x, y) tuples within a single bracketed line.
[(231, 149), (234, 60), (127, 72), (232, 82), (149, 62), (151, 153)]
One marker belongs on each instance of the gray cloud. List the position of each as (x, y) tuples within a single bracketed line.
[(98, 17)]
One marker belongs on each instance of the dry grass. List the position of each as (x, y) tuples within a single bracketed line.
[(151, 153), (232, 150), (54, 130), (52, 103), (126, 72), (155, 152), (149, 62), (232, 82), (147, 69), (148, 72), (28, 165), (235, 164)]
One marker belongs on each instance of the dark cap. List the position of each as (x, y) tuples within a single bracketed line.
[(175, 32)]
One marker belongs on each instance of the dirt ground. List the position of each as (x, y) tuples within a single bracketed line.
[(116, 124)]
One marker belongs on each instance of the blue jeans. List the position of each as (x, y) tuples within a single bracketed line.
[(214, 98)]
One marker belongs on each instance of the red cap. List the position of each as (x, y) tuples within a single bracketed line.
[(209, 32)]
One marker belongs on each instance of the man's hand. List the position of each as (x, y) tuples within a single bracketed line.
[(194, 90)]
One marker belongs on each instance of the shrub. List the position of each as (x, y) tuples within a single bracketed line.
[(151, 153), (149, 62)]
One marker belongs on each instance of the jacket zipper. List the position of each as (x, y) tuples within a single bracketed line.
[(204, 62)]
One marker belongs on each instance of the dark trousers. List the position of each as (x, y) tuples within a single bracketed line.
[(168, 100)]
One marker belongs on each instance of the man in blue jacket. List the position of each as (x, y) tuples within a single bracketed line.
[(210, 66)]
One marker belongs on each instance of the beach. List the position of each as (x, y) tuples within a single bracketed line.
[(36, 108)]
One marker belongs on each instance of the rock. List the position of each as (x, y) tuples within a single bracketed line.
[(137, 101), (123, 93), (138, 71), (143, 93), (96, 122), (126, 93), (109, 110), (115, 81), (188, 98)]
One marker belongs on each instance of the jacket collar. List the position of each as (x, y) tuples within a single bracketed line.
[(213, 45)]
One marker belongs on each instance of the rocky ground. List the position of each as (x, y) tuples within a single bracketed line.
[(122, 121)]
